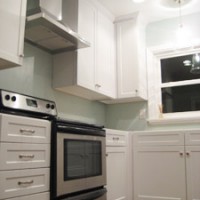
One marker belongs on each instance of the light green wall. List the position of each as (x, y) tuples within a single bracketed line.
[(35, 78), (125, 116), (165, 32)]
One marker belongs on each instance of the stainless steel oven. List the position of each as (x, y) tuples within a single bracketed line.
[(79, 169)]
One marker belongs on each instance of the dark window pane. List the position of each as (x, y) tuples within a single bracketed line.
[(181, 98), (178, 69)]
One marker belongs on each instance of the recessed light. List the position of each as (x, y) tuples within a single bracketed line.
[(138, 1)]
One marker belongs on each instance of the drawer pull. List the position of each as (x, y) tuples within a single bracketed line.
[(30, 156), (27, 131), (116, 138), (21, 183)]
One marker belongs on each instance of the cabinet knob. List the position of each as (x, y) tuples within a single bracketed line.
[(21, 55), (116, 138), (181, 153), (188, 153)]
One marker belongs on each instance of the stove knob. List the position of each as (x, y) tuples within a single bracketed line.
[(7, 97), (13, 98), (52, 107), (48, 106)]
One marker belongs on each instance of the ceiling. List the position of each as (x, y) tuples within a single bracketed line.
[(153, 10)]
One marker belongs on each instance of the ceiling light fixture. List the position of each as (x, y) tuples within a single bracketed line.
[(180, 13), (194, 63), (138, 1), (182, 33), (195, 69)]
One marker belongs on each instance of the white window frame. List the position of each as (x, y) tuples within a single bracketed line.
[(155, 115)]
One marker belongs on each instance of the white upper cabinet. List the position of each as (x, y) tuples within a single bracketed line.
[(88, 72), (105, 79), (131, 65), (86, 57), (12, 20)]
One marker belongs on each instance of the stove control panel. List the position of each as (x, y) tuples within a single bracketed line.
[(23, 102)]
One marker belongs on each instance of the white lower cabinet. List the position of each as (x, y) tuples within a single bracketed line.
[(23, 182), (117, 165), (39, 196), (24, 158), (159, 173), (193, 172), (165, 167)]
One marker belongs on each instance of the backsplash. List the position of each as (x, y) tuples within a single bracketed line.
[(35, 78)]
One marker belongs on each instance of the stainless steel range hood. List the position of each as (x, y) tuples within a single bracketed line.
[(45, 29)]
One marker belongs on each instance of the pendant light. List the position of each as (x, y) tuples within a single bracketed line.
[(195, 69), (138, 1)]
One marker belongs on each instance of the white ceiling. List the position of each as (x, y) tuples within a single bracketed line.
[(153, 10)]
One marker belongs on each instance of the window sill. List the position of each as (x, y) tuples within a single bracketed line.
[(178, 120)]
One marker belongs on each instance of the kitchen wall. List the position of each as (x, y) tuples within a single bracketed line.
[(35, 78), (127, 116)]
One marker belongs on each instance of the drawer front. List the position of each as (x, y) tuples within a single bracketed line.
[(24, 129), (192, 137), (160, 138), (40, 196), (23, 182), (116, 139), (22, 156)]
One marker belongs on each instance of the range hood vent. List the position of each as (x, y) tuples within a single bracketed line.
[(45, 31)]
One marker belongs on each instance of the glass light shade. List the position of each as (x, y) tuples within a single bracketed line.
[(195, 69), (138, 1)]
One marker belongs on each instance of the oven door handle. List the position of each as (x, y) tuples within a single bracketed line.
[(80, 130), (89, 196)]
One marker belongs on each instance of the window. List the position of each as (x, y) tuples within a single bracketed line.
[(179, 92), (174, 83)]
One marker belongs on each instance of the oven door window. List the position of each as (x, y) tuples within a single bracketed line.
[(82, 159)]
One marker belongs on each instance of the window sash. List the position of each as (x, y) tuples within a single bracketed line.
[(154, 55)]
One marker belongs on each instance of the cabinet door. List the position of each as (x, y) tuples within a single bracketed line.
[(159, 173), (193, 172), (131, 66), (105, 73), (116, 173), (12, 20), (86, 56), (127, 62)]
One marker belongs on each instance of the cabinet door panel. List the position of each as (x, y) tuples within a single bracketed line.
[(192, 138), (105, 66), (116, 173), (159, 173), (86, 56), (23, 182), (127, 59), (193, 172), (23, 129)]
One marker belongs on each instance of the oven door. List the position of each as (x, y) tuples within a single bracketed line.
[(80, 162)]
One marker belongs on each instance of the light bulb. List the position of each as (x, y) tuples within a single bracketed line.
[(138, 1), (197, 59)]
